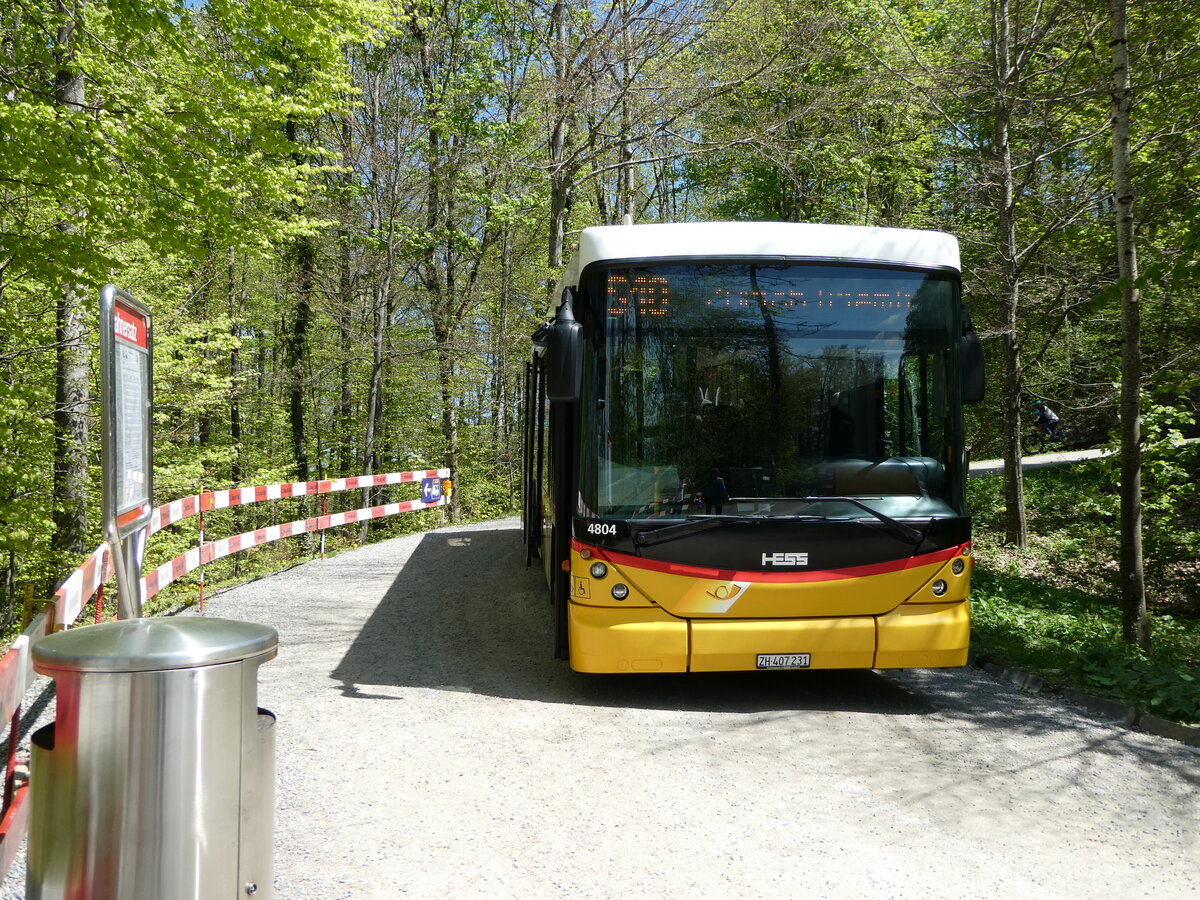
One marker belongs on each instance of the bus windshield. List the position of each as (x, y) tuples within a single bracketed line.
[(770, 389)]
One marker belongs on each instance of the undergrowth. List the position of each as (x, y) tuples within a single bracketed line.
[(1054, 606)]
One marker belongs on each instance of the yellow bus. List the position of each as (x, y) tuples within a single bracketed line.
[(744, 449)]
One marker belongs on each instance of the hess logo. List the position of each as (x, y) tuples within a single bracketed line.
[(785, 559)]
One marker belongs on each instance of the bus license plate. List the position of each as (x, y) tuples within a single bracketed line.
[(784, 660)]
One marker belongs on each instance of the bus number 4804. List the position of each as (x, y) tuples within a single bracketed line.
[(602, 528)]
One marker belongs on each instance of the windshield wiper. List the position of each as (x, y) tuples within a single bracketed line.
[(694, 525), (907, 532)]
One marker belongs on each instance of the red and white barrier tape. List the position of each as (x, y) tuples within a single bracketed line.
[(98, 568), (14, 674), (73, 593), (213, 550), (176, 510)]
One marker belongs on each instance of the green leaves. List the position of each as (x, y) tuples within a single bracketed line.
[(178, 145), (411, 145), (1073, 638)]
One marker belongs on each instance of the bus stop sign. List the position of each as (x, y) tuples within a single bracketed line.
[(431, 490), (125, 354), (126, 393)]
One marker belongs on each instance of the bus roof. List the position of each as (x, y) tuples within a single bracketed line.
[(777, 240)]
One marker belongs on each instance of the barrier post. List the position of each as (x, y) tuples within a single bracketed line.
[(100, 604), (324, 513), (10, 769), (201, 557)]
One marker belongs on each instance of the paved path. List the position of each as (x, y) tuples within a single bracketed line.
[(1040, 461), (428, 746)]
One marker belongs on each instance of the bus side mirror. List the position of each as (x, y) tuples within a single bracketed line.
[(972, 361), (564, 354)]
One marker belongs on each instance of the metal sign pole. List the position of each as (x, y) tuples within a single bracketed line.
[(126, 390), (116, 808)]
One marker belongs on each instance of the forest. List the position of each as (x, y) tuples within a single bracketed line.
[(347, 216)]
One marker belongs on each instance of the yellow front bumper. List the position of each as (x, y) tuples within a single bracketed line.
[(640, 639)]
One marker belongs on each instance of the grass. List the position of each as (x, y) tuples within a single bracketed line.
[(1053, 607)]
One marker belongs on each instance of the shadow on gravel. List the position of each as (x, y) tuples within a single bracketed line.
[(464, 614)]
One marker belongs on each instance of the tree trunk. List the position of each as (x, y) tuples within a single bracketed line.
[(296, 340), (1015, 532), (304, 256), (560, 189), (374, 396), (446, 369), (345, 414), (236, 472), (1136, 624), (345, 317), (560, 178), (625, 170), (500, 430), (73, 355)]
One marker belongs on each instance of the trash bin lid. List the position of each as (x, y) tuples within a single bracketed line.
[(150, 645)]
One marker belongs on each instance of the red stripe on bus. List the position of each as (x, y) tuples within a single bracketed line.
[(670, 568)]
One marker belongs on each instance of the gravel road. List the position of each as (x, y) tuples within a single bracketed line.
[(429, 746)]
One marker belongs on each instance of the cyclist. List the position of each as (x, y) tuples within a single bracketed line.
[(1046, 420)]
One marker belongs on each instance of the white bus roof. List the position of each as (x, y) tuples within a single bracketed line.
[(779, 240)]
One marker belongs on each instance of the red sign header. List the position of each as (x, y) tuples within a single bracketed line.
[(130, 326)]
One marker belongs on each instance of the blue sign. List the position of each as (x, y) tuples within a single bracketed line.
[(431, 490)]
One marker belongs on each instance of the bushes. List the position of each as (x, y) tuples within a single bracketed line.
[(1074, 638), (1054, 606)]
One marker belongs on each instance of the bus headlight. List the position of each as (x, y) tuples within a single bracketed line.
[(620, 591), (599, 570), (939, 587), (957, 566)]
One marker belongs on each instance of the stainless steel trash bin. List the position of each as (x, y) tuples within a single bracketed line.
[(157, 778)]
